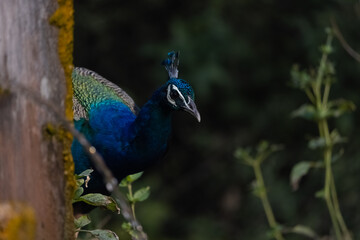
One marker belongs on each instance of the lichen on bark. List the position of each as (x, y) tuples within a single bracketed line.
[(63, 18), (17, 221)]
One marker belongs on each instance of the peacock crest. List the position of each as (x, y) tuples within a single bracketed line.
[(171, 64)]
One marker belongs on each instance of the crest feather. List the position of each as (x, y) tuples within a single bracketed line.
[(171, 64)]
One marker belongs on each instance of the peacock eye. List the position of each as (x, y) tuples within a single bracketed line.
[(174, 94)]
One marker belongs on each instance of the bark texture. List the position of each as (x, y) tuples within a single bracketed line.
[(31, 164)]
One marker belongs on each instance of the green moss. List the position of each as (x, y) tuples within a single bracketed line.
[(70, 186), (65, 138), (63, 18), (4, 92), (17, 221)]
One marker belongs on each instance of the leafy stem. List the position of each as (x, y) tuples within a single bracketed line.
[(263, 152), (330, 194), (317, 89), (138, 196), (132, 203), (321, 71), (337, 210), (265, 200)]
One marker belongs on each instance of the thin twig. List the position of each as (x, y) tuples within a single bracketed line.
[(343, 42)]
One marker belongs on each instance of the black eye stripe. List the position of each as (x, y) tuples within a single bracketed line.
[(174, 94)]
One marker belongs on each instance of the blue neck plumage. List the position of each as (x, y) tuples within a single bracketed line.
[(150, 131)]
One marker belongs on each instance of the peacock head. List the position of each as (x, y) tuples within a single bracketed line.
[(179, 94)]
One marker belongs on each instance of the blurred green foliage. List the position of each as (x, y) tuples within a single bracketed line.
[(238, 56)]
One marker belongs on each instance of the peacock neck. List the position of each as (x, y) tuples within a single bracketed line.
[(150, 131), (153, 119)]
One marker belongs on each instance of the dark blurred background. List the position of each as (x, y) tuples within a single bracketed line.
[(237, 55)]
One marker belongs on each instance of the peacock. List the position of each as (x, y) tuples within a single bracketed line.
[(128, 138)]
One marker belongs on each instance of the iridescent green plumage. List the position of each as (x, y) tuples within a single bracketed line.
[(90, 89)]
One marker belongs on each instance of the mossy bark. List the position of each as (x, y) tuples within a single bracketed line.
[(63, 18)]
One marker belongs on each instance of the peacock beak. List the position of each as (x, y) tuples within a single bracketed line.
[(190, 107)]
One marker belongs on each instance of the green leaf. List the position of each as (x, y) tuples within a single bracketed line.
[(123, 183), (84, 173), (79, 182), (320, 193), (103, 234), (82, 221), (329, 68), (336, 138), (304, 230), (306, 111), (327, 49), (126, 226), (337, 156), (340, 106), (329, 31), (129, 229), (142, 194), (129, 179), (99, 200), (78, 193), (320, 142), (274, 230), (262, 147), (299, 79), (298, 171), (316, 143), (134, 177), (244, 155)]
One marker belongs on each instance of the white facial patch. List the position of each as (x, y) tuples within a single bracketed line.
[(188, 102), (172, 87), (168, 96)]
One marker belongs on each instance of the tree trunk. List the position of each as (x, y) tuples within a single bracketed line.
[(34, 199)]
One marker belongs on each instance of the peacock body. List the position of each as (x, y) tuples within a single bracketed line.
[(128, 138)]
